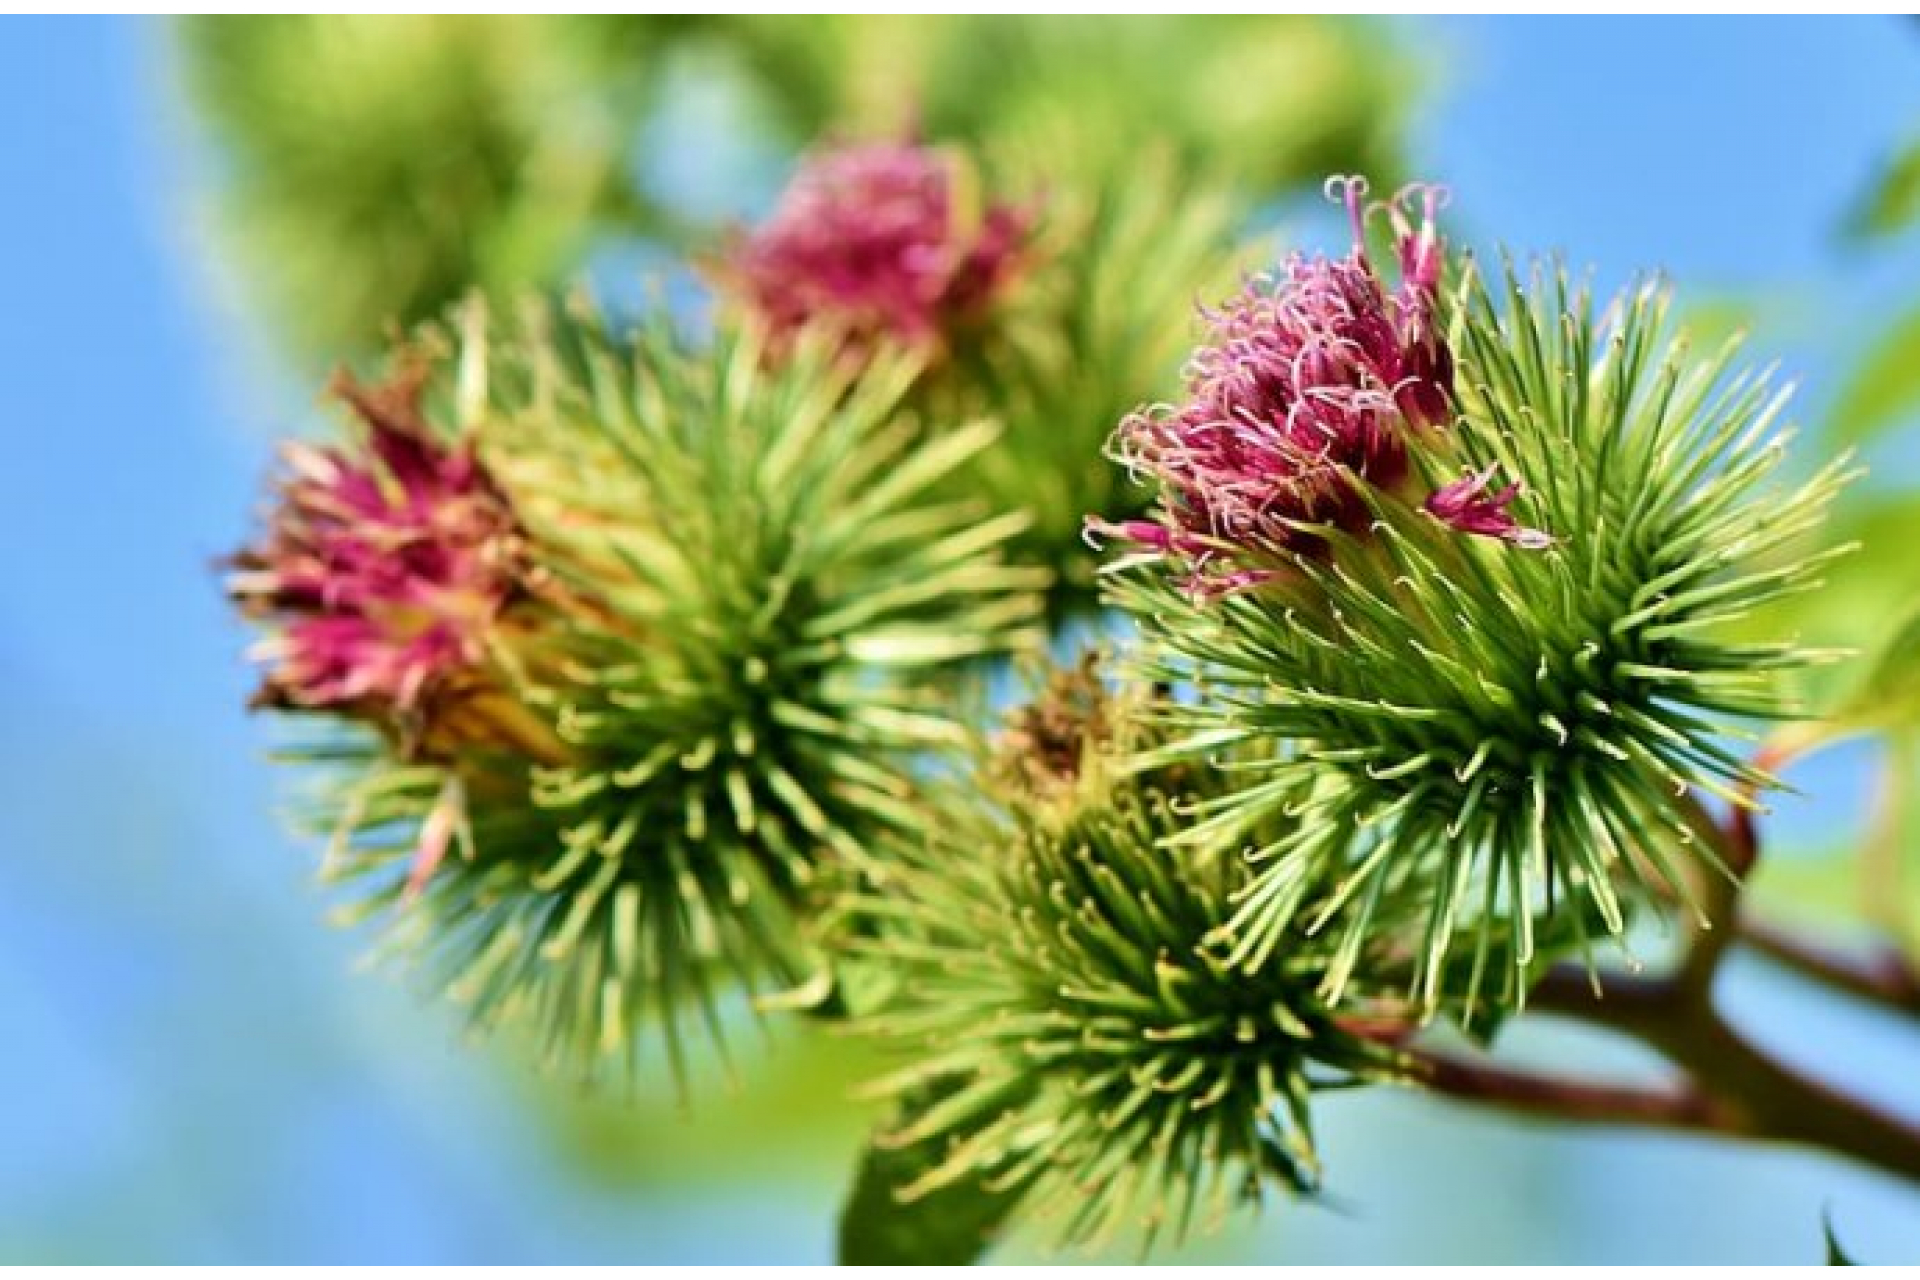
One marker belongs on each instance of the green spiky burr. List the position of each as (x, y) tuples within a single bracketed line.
[(1073, 1041), (744, 620), (1517, 726)]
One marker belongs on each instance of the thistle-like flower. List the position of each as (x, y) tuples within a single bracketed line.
[(749, 613), (1513, 726), (384, 571), (1313, 386), (1075, 1044), (1467, 506), (1051, 313), (885, 243)]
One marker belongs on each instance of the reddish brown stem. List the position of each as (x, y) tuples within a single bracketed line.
[(1672, 1107), (1737, 844), (1729, 1085), (1760, 1096)]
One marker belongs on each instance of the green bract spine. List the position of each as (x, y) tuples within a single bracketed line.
[(747, 617), (1504, 731), (1075, 1042)]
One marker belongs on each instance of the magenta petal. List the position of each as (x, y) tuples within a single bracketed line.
[(1306, 394), (868, 240), (1141, 532), (1465, 505), (383, 564), (436, 836)]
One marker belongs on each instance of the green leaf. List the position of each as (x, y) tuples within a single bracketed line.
[(1851, 611), (1836, 1256), (1883, 389), (1889, 696), (1892, 204), (1884, 701), (1809, 884), (374, 169), (951, 1226)]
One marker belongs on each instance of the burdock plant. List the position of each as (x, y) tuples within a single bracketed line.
[(1079, 1052), (709, 590), (1466, 556), (1051, 311), (642, 668)]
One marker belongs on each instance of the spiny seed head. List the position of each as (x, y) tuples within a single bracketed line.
[(1515, 729), (1047, 746), (1049, 310), (1074, 1039), (753, 612)]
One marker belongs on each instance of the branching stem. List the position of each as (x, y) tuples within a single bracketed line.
[(1728, 1084), (1678, 1106)]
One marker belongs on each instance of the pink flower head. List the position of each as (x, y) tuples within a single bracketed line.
[(384, 566), (880, 243), (1310, 386), (1467, 506)]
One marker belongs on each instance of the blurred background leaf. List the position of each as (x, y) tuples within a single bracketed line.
[(786, 1101), (373, 169), (1888, 694), (951, 1226), (1883, 391), (1273, 103), (1891, 202), (1836, 1256), (370, 170)]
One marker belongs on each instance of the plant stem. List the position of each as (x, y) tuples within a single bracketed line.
[(1730, 1085), (1672, 1107), (1737, 844), (1758, 1095)]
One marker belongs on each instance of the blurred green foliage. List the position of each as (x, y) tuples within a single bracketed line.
[(1884, 389), (786, 1101), (370, 170), (1867, 870), (374, 169), (1888, 696), (1883, 392), (1891, 202), (951, 1226), (1274, 101)]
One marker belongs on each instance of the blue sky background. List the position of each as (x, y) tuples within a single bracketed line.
[(194, 1071)]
